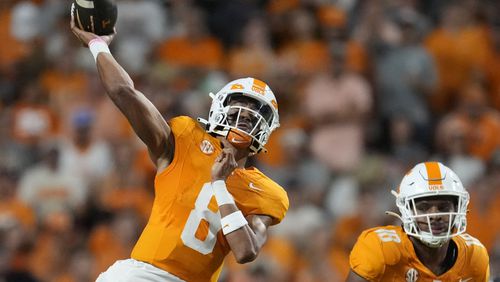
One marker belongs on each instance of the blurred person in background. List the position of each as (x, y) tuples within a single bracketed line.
[(14, 156), (484, 209), (304, 53), (145, 23), (404, 148), (432, 243), (114, 239), (194, 51), (277, 262), (405, 76), (32, 120), (452, 148), (14, 48), (460, 48), (47, 189), (195, 221), (337, 103), (79, 268), (83, 156), (335, 31), (17, 229), (253, 55), (495, 264), (493, 61), (480, 121), (346, 228)]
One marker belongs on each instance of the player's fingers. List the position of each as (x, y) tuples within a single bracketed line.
[(219, 158), (79, 37), (234, 163), (72, 21), (228, 159), (228, 151), (76, 31), (225, 157)]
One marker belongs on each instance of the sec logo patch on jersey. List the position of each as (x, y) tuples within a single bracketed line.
[(412, 275), (206, 147)]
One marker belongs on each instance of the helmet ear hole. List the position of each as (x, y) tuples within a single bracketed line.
[(219, 118)]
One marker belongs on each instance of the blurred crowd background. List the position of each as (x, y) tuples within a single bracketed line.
[(366, 90)]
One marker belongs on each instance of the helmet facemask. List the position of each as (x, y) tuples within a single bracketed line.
[(425, 225), (249, 119)]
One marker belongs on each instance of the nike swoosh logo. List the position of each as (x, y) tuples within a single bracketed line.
[(465, 280), (234, 140), (255, 187)]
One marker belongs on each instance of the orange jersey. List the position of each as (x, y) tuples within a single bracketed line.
[(387, 254), (183, 235)]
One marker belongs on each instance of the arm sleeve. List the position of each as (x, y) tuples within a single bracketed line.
[(487, 274), (482, 261), (276, 208), (367, 258), (271, 201)]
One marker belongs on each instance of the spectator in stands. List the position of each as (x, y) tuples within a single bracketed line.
[(406, 76), (480, 120), (48, 189), (84, 156), (459, 47), (337, 103)]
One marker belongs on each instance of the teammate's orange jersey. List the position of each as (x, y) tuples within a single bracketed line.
[(387, 254), (183, 235)]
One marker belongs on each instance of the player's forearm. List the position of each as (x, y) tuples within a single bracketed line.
[(244, 242)]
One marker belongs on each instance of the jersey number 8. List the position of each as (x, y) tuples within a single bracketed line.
[(200, 213)]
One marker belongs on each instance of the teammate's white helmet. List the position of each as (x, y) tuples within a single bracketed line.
[(265, 118), (426, 180)]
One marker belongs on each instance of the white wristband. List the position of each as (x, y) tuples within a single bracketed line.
[(97, 45), (222, 196), (233, 222)]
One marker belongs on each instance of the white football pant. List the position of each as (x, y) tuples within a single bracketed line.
[(131, 270)]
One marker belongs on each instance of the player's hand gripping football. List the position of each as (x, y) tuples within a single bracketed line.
[(225, 162), (85, 36)]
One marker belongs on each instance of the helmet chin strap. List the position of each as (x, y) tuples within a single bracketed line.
[(436, 244), (393, 214), (203, 121)]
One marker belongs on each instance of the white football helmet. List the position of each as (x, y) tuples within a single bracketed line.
[(225, 119), (431, 179)]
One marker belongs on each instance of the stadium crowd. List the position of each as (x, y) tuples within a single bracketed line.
[(366, 89)]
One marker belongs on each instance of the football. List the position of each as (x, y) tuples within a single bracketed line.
[(96, 16)]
